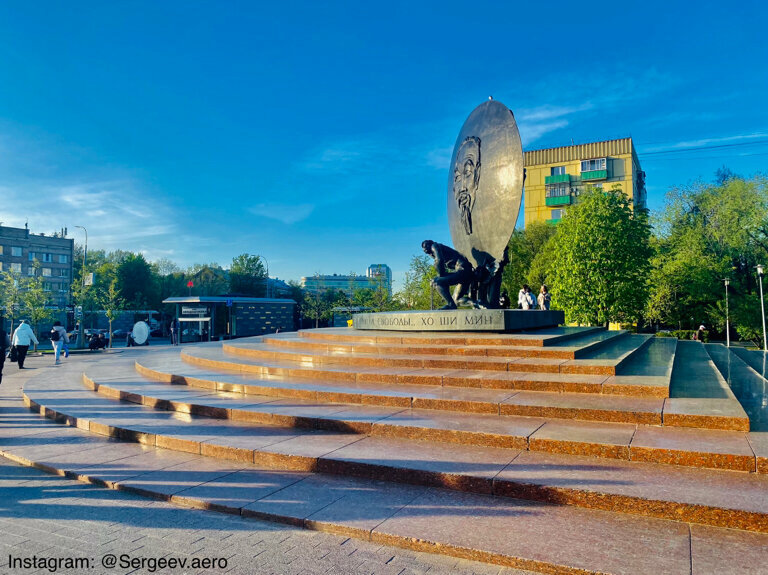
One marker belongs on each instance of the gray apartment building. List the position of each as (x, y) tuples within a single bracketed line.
[(377, 275), (55, 252)]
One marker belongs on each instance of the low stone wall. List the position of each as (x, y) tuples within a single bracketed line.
[(459, 320)]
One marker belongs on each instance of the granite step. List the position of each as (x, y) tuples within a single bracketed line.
[(504, 531), (648, 372), (533, 433), (757, 360), (477, 379), (747, 385), (604, 361), (539, 337), (459, 392), (693, 495), (572, 349), (699, 395)]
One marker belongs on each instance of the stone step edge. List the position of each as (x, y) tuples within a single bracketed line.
[(322, 334), (336, 528), (379, 428), (440, 404), (660, 509), (700, 421), (350, 346), (572, 366), (746, 363), (607, 387)]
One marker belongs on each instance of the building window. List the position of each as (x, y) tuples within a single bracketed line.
[(63, 272), (31, 256), (556, 214), (47, 272), (16, 268), (63, 259), (47, 258), (47, 286), (557, 171), (16, 251), (1, 250), (593, 165), (557, 190), (30, 270)]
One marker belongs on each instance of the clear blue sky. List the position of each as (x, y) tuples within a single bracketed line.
[(318, 134)]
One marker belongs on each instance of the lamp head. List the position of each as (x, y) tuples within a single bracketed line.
[(760, 269)]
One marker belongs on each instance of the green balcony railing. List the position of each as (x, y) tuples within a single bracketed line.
[(554, 221), (594, 175), (560, 179), (559, 201)]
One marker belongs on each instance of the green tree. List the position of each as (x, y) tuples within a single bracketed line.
[(35, 298), (417, 289), (208, 279), (524, 247), (112, 304), (136, 279), (248, 276), (317, 304), (707, 232), (600, 260), (11, 293)]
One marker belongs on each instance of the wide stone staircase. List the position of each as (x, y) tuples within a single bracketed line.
[(566, 450)]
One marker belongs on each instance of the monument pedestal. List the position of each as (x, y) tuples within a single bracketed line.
[(498, 320)]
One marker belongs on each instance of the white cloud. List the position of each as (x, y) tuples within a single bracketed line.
[(117, 214), (707, 142), (285, 213)]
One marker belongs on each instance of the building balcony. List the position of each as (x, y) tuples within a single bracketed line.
[(554, 221), (561, 179), (559, 201), (594, 175)]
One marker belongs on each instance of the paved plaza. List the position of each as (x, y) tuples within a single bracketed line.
[(49, 516), (570, 450)]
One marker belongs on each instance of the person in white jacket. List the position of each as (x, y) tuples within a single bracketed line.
[(58, 340), (22, 337)]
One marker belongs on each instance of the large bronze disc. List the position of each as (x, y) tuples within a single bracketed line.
[(485, 183)]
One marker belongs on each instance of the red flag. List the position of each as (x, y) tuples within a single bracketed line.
[(190, 284)]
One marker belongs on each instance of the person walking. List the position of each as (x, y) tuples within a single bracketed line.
[(544, 298), (59, 339), (5, 344), (22, 337)]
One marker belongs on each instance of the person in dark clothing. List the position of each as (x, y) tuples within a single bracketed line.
[(5, 344)]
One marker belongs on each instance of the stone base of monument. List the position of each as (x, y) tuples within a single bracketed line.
[(495, 320)]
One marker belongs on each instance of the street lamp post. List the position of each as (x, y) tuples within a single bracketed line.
[(760, 272), (80, 339), (727, 316)]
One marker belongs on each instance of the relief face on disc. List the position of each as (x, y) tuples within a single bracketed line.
[(485, 183)]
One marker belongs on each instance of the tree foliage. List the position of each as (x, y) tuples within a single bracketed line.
[(600, 259), (417, 289), (706, 233), (11, 294), (136, 281), (248, 276), (524, 248), (35, 299), (112, 303)]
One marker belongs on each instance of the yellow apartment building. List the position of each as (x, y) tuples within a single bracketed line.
[(555, 177)]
